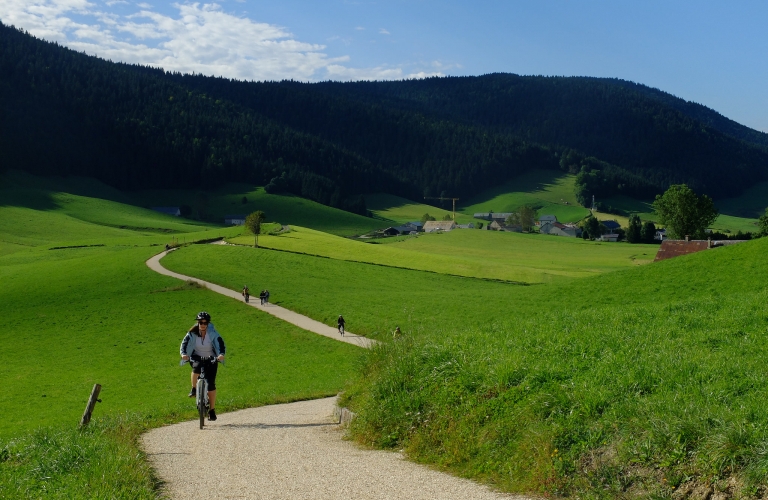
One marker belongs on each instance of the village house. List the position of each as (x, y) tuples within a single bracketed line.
[(559, 229), (501, 226), (546, 219), (439, 225), (675, 248), (611, 225)]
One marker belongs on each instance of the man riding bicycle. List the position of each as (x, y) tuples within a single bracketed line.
[(203, 341)]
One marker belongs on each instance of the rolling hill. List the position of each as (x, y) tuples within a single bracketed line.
[(132, 127)]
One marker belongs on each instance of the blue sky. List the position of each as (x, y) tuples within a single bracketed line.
[(714, 53)]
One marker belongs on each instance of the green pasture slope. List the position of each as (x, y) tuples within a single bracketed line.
[(285, 209), (551, 192), (397, 210), (629, 383), (97, 314), (529, 258)]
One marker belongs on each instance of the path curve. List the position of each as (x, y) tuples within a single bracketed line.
[(291, 451), (294, 318)]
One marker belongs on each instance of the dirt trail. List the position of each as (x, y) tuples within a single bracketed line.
[(291, 451), (294, 318)]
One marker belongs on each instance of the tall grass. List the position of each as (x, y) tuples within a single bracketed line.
[(611, 401)]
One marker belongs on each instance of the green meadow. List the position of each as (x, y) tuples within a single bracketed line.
[(85, 309), (285, 209), (400, 210), (550, 192), (533, 363), (529, 258)]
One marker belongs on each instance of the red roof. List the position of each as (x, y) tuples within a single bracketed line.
[(676, 248)]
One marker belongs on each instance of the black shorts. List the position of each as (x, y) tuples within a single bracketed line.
[(210, 372)]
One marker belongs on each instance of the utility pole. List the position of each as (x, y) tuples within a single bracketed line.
[(593, 203), (442, 198)]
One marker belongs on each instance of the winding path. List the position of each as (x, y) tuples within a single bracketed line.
[(294, 318), (289, 451)]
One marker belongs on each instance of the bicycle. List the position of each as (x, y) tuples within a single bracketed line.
[(201, 398)]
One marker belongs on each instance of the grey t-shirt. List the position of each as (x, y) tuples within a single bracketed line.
[(203, 347)]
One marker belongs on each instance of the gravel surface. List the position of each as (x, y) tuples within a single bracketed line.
[(275, 310), (290, 451)]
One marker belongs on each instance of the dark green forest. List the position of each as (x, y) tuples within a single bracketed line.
[(62, 112)]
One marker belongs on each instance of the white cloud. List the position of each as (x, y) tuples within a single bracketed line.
[(382, 31), (359, 28), (202, 38)]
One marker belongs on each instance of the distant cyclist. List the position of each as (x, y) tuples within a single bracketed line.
[(262, 296), (203, 341), (341, 324), (246, 293)]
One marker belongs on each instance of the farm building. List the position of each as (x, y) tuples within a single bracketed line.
[(500, 226), (611, 225), (439, 225), (609, 237), (175, 211), (417, 225), (547, 218), (661, 235), (558, 229), (471, 225), (396, 230), (234, 220), (676, 248)]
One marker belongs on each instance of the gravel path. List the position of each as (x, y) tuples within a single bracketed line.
[(290, 451), (294, 318)]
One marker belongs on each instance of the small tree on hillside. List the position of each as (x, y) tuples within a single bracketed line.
[(683, 212), (426, 217), (253, 224), (592, 227), (447, 217), (648, 233), (762, 224), (524, 217), (634, 229)]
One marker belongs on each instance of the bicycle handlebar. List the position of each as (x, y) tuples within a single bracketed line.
[(197, 359)]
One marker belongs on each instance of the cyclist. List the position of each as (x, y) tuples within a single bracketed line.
[(203, 341), (340, 322), (246, 293)]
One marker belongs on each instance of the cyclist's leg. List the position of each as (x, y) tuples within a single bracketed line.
[(210, 376)]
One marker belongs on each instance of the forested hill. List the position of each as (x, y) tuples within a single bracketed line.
[(62, 112)]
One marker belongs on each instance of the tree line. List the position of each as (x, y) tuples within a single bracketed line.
[(136, 127)]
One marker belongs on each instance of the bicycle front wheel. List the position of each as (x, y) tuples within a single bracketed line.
[(202, 389)]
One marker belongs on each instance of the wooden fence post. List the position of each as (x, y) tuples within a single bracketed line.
[(91, 403)]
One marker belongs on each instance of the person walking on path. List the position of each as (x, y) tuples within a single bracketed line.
[(203, 341), (246, 293), (262, 296), (266, 296), (341, 324)]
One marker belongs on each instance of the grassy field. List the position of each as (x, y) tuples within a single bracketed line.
[(551, 192), (285, 209), (474, 253), (97, 314), (399, 210), (630, 384)]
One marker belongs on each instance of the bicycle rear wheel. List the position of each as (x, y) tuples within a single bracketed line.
[(202, 389)]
